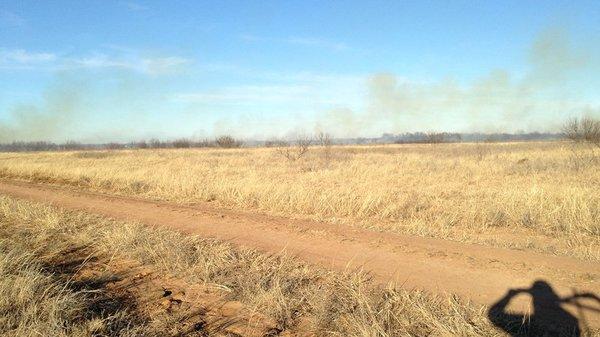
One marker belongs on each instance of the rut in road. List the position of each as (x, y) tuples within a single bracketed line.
[(475, 272)]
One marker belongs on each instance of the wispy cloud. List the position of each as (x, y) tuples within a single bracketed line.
[(11, 19), (314, 42), (152, 66), (19, 59), (24, 57), (134, 6), (299, 41), (296, 91), (307, 77), (241, 95)]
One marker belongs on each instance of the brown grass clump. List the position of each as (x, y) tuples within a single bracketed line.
[(296, 296), (524, 195)]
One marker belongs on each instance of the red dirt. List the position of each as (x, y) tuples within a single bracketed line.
[(479, 273), (186, 309)]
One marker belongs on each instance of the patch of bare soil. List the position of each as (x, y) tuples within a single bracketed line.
[(118, 285), (479, 273)]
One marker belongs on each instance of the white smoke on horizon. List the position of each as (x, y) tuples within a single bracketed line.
[(540, 99)]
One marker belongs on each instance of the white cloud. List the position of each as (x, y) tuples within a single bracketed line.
[(161, 65), (309, 77), (314, 42), (300, 91), (24, 57), (20, 59), (239, 95), (12, 19), (299, 41), (253, 38), (152, 66), (134, 6)]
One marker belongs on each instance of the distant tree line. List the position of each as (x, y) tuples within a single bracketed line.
[(43, 146), (182, 143), (448, 137), (578, 130)]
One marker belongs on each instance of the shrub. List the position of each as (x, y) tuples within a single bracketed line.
[(157, 144), (227, 142), (140, 145), (72, 146), (114, 146), (182, 143), (295, 151)]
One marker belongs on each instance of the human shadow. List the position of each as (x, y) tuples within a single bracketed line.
[(548, 319)]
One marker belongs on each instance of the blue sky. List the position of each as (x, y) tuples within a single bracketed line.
[(121, 70)]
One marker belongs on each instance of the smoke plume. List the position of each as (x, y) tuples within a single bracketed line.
[(560, 80), (53, 118), (547, 93)]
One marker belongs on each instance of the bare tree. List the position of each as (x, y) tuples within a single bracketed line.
[(274, 142), (114, 146), (324, 139), (585, 129), (182, 143), (72, 146), (142, 144), (295, 150), (591, 130), (156, 144), (435, 137), (570, 130)]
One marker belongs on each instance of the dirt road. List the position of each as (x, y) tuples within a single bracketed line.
[(479, 273)]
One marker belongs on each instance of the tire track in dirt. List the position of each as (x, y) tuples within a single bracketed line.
[(475, 272)]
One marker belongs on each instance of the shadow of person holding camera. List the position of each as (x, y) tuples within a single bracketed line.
[(548, 319)]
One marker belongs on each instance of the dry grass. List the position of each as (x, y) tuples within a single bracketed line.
[(540, 196), (34, 301), (293, 294)]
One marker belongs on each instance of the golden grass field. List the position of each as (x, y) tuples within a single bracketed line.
[(541, 196), (71, 273), (42, 297)]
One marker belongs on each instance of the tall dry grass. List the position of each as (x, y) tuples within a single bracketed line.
[(293, 294), (35, 301), (540, 196)]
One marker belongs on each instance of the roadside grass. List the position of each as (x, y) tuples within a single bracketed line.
[(536, 196), (37, 302), (298, 297)]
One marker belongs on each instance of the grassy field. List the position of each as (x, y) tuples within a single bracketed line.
[(539, 196), (39, 300)]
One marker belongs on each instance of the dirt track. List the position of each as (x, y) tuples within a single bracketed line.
[(479, 273)]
